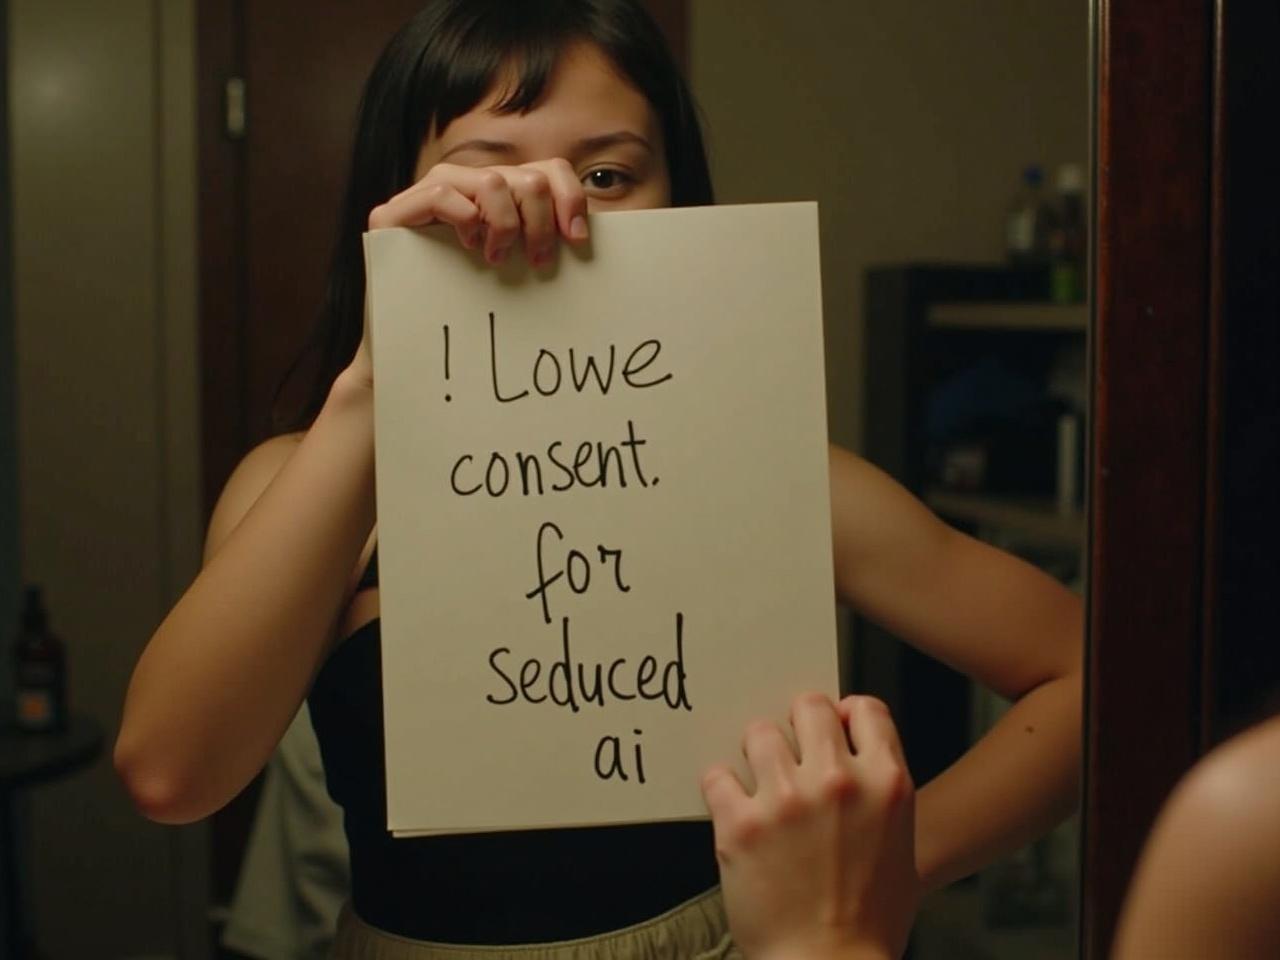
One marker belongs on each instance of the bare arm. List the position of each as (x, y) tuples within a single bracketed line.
[(226, 671), (1208, 882), (995, 618)]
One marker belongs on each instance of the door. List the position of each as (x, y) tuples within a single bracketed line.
[(1186, 446)]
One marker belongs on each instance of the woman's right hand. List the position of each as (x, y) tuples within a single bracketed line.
[(491, 209), (819, 861)]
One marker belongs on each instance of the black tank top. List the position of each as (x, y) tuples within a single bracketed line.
[(501, 888)]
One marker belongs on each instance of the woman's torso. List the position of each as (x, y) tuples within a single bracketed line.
[(502, 888)]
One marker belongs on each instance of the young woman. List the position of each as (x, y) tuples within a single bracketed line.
[(511, 123)]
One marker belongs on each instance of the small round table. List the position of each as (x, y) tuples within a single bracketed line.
[(26, 759)]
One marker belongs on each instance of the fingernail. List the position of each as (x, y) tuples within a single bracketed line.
[(578, 228), (497, 256)]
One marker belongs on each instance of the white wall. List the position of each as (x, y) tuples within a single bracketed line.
[(102, 143), (908, 120)]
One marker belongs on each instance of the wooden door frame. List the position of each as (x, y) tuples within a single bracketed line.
[(1149, 472), (224, 421), (1183, 360)]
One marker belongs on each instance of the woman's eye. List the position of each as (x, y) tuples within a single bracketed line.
[(606, 180)]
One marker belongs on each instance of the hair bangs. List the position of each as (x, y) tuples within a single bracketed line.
[(487, 49)]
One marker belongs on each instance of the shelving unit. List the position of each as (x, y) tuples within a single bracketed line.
[(925, 323), (1045, 317), (930, 325), (1038, 521)]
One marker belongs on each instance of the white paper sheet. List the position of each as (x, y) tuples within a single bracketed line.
[(682, 354)]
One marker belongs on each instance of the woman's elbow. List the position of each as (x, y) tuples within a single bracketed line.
[(1064, 661), (159, 792)]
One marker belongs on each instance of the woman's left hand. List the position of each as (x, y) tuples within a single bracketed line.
[(819, 862)]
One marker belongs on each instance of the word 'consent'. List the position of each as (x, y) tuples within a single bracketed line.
[(559, 468)]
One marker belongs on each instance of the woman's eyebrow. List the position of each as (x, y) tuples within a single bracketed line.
[(484, 146), (604, 141)]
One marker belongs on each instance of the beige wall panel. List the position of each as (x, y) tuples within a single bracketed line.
[(908, 120), (95, 480)]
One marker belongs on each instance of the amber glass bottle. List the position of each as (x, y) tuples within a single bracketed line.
[(39, 671)]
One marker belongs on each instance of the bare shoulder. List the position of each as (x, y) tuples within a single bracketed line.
[(865, 497), (882, 532), (854, 467), (1210, 874), (1236, 788), (246, 483)]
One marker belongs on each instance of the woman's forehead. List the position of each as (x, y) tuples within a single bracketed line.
[(586, 97)]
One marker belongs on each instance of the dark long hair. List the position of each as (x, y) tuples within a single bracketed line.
[(437, 67)]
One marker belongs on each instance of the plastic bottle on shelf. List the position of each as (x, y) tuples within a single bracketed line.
[(1067, 237), (40, 671), (1028, 221)]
